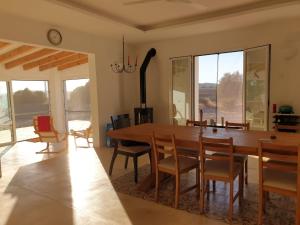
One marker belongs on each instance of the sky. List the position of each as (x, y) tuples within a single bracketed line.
[(228, 62), (40, 85), (32, 85)]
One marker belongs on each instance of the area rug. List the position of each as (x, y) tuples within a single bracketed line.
[(279, 210)]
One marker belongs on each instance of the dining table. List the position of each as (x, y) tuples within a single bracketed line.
[(245, 142)]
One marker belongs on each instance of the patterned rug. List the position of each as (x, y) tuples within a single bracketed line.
[(279, 210)]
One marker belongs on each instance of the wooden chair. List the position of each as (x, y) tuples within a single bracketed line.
[(86, 134), (219, 168), (43, 127), (191, 152), (194, 123), (279, 169), (127, 148), (243, 159), (286, 128), (164, 145)]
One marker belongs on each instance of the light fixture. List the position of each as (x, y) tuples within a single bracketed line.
[(127, 68)]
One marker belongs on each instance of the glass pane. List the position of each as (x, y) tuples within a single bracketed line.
[(31, 98), (206, 71), (77, 104), (5, 115), (257, 87), (181, 90), (230, 87)]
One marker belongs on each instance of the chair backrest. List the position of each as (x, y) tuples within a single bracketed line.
[(278, 156), (193, 123), (164, 144), (43, 126), (238, 126), (217, 145), (120, 121), (43, 123), (283, 127)]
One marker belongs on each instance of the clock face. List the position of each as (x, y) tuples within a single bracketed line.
[(54, 37)]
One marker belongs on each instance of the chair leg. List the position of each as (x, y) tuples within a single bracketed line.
[(241, 188), (214, 186), (246, 171), (150, 159), (297, 212), (202, 195), (157, 185), (135, 164), (230, 202), (126, 162), (260, 205), (114, 156), (198, 182), (88, 143), (75, 142), (177, 192)]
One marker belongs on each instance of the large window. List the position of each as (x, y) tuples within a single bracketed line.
[(6, 129), (181, 90), (77, 104), (220, 86), (31, 98), (232, 86)]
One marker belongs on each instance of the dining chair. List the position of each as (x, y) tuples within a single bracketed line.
[(85, 134), (131, 149), (44, 128), (195, 123), (167, 161), (219, 168), (279, 169), (186, 152), (286, 128), (242, 158)]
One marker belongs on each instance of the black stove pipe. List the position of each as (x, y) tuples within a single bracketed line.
[(151, 53)]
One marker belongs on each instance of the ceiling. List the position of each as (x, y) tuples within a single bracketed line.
[(29, 57), (154, 20)]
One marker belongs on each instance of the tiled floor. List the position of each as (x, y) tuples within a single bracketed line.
[(73, 188)]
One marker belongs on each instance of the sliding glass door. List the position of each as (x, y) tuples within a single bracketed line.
[(181, 90), (6, 125), (77, 104), (219, 87), (31, 98), (257, 87), (233, 86)]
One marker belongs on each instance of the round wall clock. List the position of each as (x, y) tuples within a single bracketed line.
[(54, 37)]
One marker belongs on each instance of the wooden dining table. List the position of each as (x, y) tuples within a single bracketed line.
[(245, 142)]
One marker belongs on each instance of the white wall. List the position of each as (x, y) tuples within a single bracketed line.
[(284, 36), (106, 89)]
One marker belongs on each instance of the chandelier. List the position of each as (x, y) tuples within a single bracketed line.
[(127, 68)]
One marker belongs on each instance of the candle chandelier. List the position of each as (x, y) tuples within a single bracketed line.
[(123, 67)]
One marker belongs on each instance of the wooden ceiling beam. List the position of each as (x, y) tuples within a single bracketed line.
[(47, 60), (57, 63), (73, 64), (30, 57), (15, 52), (3, 44)]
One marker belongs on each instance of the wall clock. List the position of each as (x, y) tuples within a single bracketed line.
[(54, 37)]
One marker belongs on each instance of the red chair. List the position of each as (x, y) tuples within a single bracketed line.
[(43, 127)]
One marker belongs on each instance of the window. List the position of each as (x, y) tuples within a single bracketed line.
[(31, 98), (220, 86), (181, 90), (6, 129), (77, 104), (233, 86)]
